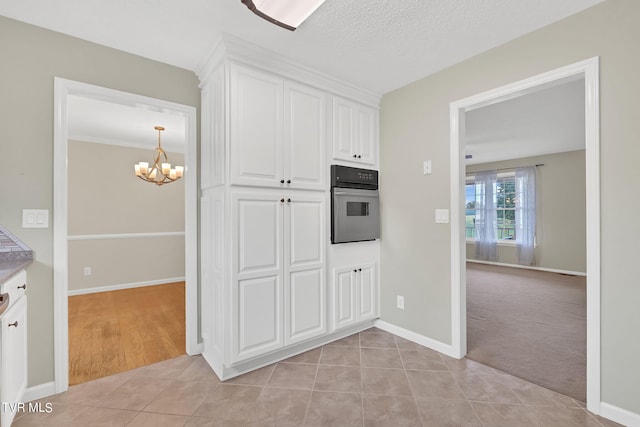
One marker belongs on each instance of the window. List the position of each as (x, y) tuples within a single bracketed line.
[(505, 198)]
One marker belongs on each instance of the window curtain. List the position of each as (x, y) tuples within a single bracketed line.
[(525, 214), (486, 218)]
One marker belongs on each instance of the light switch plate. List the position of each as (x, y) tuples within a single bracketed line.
[(35, 218), (442, 216), (426, 167)]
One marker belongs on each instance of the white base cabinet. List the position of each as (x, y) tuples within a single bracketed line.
[(354, 294), (13, 350), (279, 286)]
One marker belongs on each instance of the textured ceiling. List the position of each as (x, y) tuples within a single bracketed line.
[(379, 45), (543, 122)]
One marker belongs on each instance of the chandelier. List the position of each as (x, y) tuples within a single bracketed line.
[(159, 173)]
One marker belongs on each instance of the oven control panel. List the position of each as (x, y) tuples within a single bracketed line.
[(348, 177)]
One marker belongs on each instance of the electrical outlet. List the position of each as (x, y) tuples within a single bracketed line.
[(426, 167), (400, 302), (87, 271), (442, 216)]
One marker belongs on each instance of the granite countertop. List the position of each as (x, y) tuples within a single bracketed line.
[(14, 255)]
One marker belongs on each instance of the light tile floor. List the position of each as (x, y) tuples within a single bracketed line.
[(369, 379)]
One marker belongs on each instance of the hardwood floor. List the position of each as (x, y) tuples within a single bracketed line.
[(111, 332)]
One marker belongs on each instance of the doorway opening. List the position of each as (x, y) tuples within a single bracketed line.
[(587, 70), (87, 150), (526, 268)]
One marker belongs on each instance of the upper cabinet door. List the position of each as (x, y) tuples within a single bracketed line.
[(343, 130), (355, 133), (366, 133), (255, 127), (304, 137)]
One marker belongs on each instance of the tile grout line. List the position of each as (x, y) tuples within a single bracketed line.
[(413, 394), (315, 378), (466, 397)]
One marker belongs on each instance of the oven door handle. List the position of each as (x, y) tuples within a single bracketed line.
[(351, 193)]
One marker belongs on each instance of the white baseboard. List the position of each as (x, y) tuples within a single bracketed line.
[(416, 338), (619, 415), (39, 391), (125, 286), (529, 267)]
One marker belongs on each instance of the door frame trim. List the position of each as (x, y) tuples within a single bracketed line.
[(589, 69), (63, 88)]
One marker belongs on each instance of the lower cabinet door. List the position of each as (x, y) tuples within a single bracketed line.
[(259, 316), (367, 306), (305, 302), (305, 288), (13, 375), (344, 294)]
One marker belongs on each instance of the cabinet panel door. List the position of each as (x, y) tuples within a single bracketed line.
[(305, 231), (257, 233), (344, 290), (343, 129), (304, 136), (366, 135), (259, 316), (256, 128), (305, 302), (305, 289), (367, 306), (13, 376)]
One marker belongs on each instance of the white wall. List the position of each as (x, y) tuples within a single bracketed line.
[(415, 252), (106, 198), (560, 212), (31, 58)]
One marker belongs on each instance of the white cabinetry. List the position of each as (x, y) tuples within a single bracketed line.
[(355, 136), (267, 130), (277, 131), (13, 348), (354, 293), (279, 290)]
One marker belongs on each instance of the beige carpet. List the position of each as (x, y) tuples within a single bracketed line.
[(530, 324)]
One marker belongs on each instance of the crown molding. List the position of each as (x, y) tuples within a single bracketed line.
[(229, 48)]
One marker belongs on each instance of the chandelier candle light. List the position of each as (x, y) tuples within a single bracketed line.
[(159, 173)]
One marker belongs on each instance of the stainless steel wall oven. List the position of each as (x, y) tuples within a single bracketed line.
[(355, 210)]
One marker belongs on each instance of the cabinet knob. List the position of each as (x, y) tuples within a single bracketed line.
[(288, 181), (288, 200), (23, 286), (281, 200), (14, 324), (359, 156), (355, 270), (355, 156), (359, 269), (282, 181)]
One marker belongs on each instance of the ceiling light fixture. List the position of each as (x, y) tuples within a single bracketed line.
[(287, 14), (159, 173)]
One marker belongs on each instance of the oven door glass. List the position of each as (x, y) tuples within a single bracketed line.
[(355, 215)]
